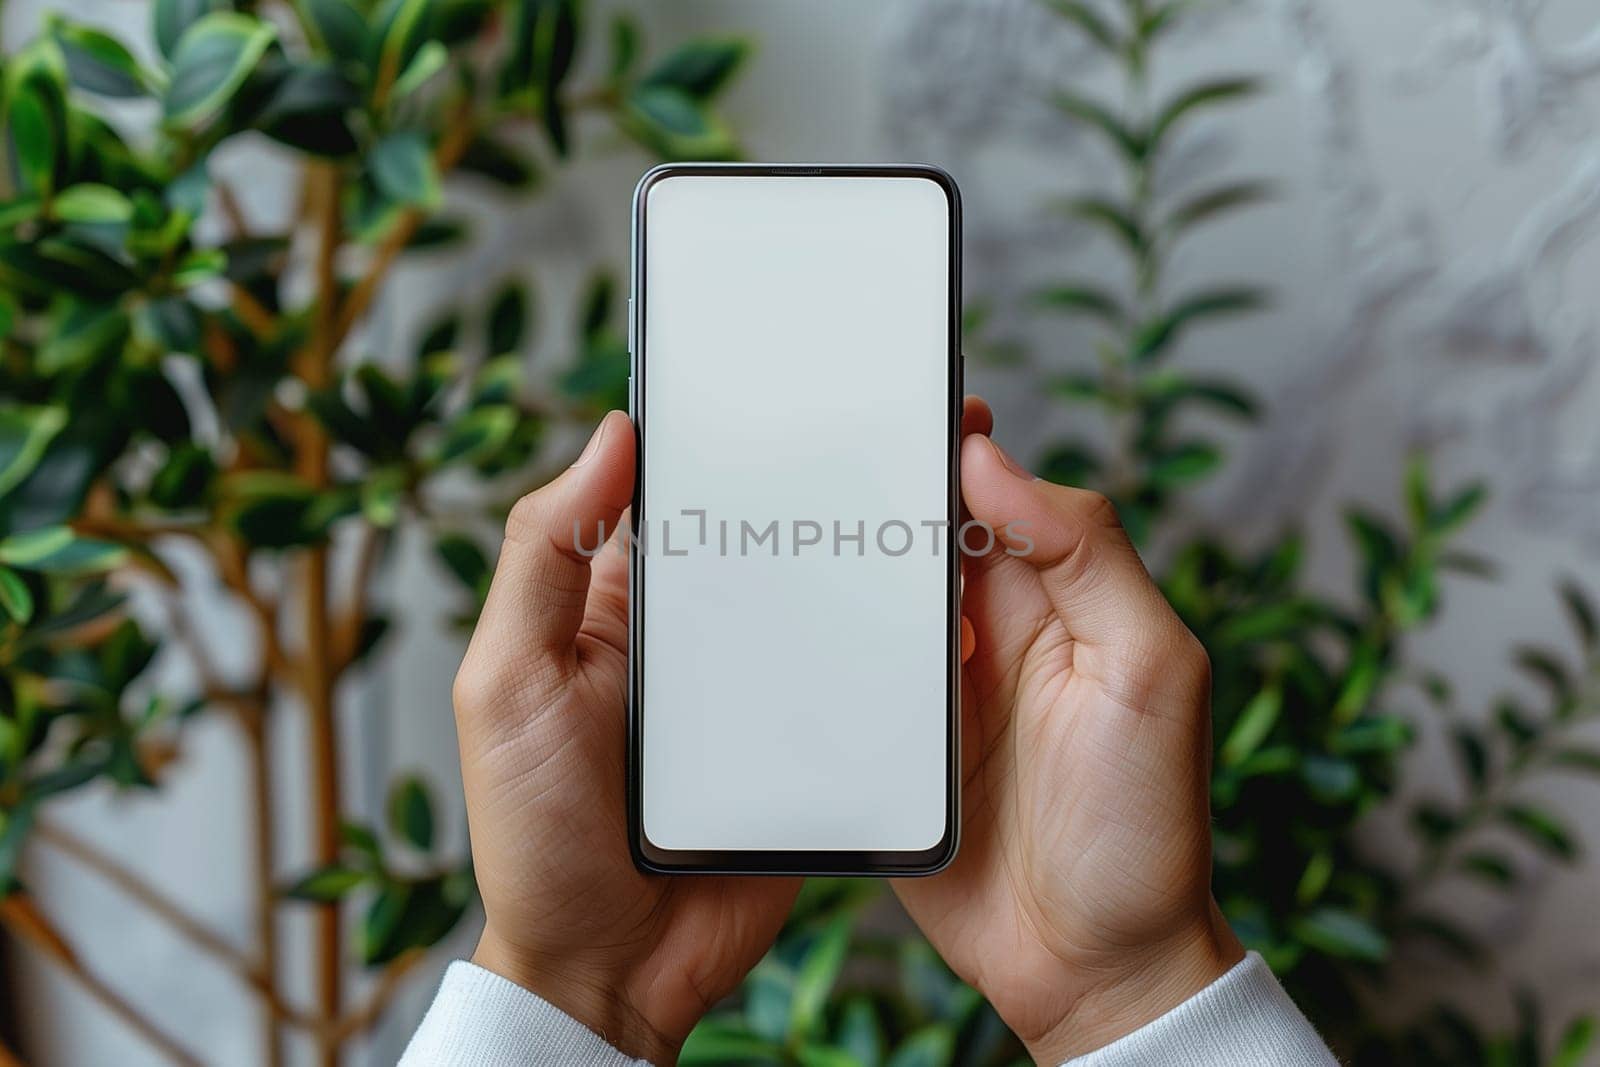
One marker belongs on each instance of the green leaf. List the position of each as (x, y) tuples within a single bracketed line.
[(1341, 934), (817, 973), (411, 813), (1473, 754), (326, 884), (669, 110), (341, 27), (1490, 866), (1540, 828), (363, 841), (1110, 216), (1090, 21), (499, 162), (25, 434), (1157, 335), (1096, 115), (598, 300), (716, 1042), (401, 32), (169, 18), (403, 168), (200, 265), (431, 58), (932, 1046), (1373, 734), (81, 555), (859, 1032), (1582, 612), (826, 1056), (1330, 780), (181, 482), (1447, 935), (1576, 1041), (700, 67), (1178, 465), (211, 62), (1208, 205), (624, 45), (309, 109), (508, 319), (1070, 463), (1208, 94), (270, 510), (28, 548), (1085, 299), (462, 556), (91, 202), (1458, 510), (1578, 759), (382, 495), (1547, 668), (36, 121), (99, 63), (478, 434), (14, 596)]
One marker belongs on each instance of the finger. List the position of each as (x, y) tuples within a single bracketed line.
[(1089, 569), (541, 584), (976, 417), (969, 639)]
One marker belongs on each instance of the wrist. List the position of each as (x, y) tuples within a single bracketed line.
[(1148, 982), (593, 995)]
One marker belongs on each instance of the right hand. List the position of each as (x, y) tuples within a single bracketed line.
[(1080, 903)]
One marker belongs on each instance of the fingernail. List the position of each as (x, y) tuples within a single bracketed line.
[(1007, 462), (594, 444)]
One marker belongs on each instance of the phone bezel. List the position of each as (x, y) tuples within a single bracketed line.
[(647, 856)]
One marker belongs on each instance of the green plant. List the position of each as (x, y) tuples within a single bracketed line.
[(163, 392), (1307, 688)]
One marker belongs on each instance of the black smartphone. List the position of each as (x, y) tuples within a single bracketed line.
[(795, 622)]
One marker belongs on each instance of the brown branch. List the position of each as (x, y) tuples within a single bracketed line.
[(238, 221), (252, 312), (371, 1011), (29, 926), (348, 633), (173, 914), (148, 897), (317, 677), (458, 136), (262, 831)]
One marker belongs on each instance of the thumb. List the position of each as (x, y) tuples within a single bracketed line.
[(541, 583), (1089, 568)]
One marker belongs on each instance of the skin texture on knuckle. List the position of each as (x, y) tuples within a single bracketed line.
[(526, 521)]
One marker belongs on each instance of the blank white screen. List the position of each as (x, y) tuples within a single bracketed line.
[(795, 366)]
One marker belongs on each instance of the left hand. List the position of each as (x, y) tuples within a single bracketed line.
[(540, 703)]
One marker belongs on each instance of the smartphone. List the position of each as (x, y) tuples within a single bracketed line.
[(796, 391)]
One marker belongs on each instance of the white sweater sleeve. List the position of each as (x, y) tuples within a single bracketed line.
[(1243, 1019), (479, 1019)]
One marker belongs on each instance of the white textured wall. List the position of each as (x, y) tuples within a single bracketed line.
[(1435, 266)]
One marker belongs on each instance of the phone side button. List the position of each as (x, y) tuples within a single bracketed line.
[(630, 396), (630, 326)]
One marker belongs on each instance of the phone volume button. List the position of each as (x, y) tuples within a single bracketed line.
[(630, 326)]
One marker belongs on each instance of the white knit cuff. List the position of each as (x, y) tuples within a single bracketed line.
[(479, 1019), (1243, 1019)]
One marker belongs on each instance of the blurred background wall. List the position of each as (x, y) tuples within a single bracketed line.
[(1433, 258)]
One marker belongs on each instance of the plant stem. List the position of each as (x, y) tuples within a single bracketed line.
[(261, 833), (318, 679), (28, 926), (460, 131)]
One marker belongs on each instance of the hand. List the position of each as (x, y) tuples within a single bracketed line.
[(1080, 903), (540, 714)]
